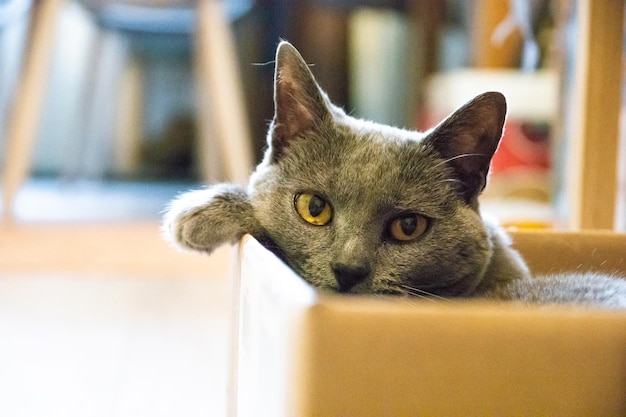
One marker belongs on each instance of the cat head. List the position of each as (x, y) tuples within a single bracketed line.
[(355, 206)]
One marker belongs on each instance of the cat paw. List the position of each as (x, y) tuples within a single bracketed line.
[(203, 220)]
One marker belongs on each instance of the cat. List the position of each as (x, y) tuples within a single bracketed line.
[(363, 208)]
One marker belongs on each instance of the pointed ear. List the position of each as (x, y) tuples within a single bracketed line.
[(468, 138), (202, 220), (299, 104)]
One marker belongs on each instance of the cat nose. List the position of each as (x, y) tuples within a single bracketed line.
[(348, 276)]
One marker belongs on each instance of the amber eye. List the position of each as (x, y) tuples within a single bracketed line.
[(313, 209), (408, 227)]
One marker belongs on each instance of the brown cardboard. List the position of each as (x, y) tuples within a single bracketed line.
[(305, 353)]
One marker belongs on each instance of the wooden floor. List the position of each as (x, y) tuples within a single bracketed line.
[(126, 247), (105, 319)]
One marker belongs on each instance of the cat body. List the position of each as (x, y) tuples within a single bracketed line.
[(358, 207)]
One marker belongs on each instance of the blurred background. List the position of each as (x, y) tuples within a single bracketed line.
[(147, 98), (109, 109)]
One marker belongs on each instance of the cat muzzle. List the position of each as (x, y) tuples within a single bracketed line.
[(348, 276)]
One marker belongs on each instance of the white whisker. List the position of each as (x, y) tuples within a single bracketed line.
[(449, 180), (423, 294), (458, 157)]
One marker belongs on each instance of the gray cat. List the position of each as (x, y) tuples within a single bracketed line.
[(358, 207)]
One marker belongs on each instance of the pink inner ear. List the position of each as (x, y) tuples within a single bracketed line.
[(293, 116), (300, 104), (297, 120)]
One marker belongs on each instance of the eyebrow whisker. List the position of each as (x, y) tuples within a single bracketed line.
[(458, 157)]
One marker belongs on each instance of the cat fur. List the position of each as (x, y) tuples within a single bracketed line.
[(370, 173)]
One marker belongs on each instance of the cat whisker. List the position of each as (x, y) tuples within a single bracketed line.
[(423, 294), (421, 297), (458, 157), (261, 64), (449, 180)]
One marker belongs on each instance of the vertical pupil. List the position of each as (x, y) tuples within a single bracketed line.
[(408, 225), (316, 206)]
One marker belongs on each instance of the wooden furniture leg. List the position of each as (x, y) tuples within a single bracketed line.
[(595, 117), (24, 118), (223, 123), (129, 116)]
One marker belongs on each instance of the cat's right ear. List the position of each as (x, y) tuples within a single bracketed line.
[(204, 219), (299, 103), (468, 138)]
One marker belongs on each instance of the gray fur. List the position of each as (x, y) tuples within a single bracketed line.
[(581, 288), (204, 219), (369, 173)]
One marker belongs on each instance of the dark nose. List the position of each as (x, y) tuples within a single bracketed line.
[(348, 276)]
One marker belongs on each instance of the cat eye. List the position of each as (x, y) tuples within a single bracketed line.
[(313, 209), (408, 227)]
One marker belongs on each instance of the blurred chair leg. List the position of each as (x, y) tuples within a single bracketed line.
[(101, 105), (73, 158), (595, 119), (24, 120), (129, 125), (220, 94)]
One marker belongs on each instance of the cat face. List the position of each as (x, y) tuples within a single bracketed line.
[(354, 206)]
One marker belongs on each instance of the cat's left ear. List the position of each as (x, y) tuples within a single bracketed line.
[(299, 103), (468, 138)]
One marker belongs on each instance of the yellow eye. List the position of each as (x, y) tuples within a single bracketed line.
[(408, 227), (313, 209)]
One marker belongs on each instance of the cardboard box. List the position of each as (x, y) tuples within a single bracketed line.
[(304, 353)]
